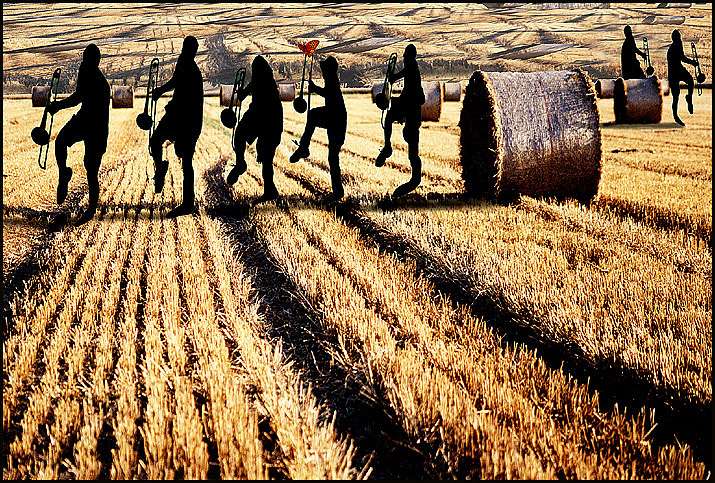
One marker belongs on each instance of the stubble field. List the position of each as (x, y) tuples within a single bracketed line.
[(436, 336)]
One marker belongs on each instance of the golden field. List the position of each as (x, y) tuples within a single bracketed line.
[(435, 336)]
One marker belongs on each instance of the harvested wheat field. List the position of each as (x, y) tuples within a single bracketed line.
[(434, 336)]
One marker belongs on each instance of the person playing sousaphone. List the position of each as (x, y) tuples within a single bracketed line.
[(630, 67), (406, 108), (677, 73), (263, 123), (181, 124), (333, 117), (90, 125)]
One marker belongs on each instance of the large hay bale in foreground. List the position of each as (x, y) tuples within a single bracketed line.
[(452, 91), (638, 101), (224, 95), (604, 88), (434, 97), (287, 91), (535, 134), (122, 97), (40, 96)]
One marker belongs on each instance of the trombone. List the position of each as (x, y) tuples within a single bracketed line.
[(147, 119), (39, 134), (649, 70), (231, 114), (699, 76), (382, 99)]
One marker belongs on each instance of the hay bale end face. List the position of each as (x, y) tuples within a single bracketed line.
[(40, 96), (122, 97), (287, 91), (224, 94), (638, 101), (604, 88), (452, 91), (535, 134), (434, 97)]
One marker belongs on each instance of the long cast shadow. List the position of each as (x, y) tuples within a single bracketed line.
[(378, 437), (615, 384)]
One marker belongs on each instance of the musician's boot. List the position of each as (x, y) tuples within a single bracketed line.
[(270, 193), (237, 171), (385, 153), (689, 100), (160, 175), (300, 153), (184, 208), (62, 184)]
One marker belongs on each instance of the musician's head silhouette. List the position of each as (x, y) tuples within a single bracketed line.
[(190, 47), (676, 36), (329, 67), (627, 30), (260, 69), (91, 56), (410, 52)]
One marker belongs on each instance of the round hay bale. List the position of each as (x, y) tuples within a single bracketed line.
[(287, 91), (535, 134), (122, 97), (638, 101), (604, 88), (434, 97), (452, 91), (40, 96), (225, 91)]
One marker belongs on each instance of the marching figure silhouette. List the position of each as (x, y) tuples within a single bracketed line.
[(677, 72), (90, 125), (630, 67), (181, 124), (333, 117), (263, 123), (406, 108)]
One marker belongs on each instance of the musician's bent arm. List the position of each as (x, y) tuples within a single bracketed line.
[(161, 90), (316, 89), (72, 100), (243, 93), (398, 75)]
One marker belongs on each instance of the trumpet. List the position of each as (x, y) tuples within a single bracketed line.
[(147, 119), (39, 134), (308, 49), (382, 99), (231, 114), (699, 76), (649, 70)]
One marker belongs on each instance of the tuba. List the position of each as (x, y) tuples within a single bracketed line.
[(231, 114), (39, 134), (147, 119)]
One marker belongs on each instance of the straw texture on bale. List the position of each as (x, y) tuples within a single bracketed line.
[(535, 134), (286, 91), (452, 91), (225, 92), (434, 97), (638, 101), (604, 88), (40, 96), (122, 97)]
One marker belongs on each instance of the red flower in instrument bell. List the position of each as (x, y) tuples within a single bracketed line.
[(309, 47)]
